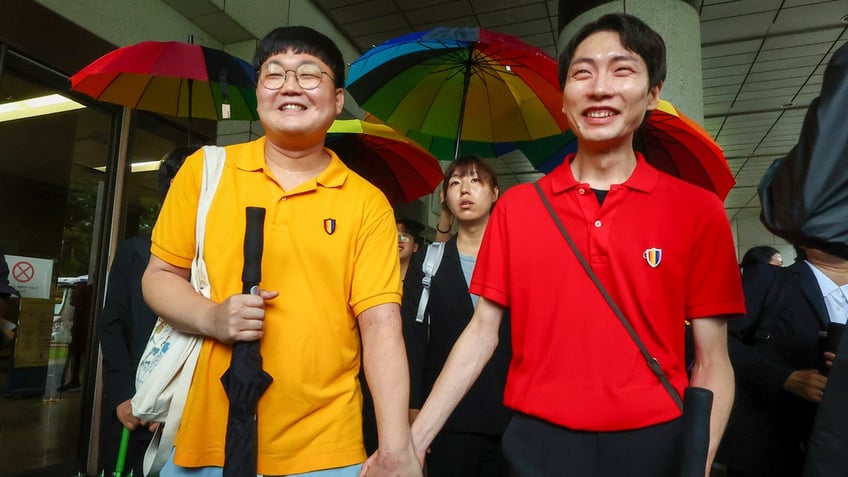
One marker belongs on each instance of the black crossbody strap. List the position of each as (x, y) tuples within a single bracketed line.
[(652, 362)]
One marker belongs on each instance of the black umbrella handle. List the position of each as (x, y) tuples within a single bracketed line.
[(697, 407), (254, 238)]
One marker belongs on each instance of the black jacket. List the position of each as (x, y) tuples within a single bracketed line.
[(450, 309), (125, 321), (769, 426)]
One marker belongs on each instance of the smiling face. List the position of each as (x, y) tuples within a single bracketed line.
[(606, 93), (292, 116), (469, 197)]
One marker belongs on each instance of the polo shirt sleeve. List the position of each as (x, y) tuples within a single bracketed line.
[(491, 272), (714, 285), (376, 270), (174, 233)]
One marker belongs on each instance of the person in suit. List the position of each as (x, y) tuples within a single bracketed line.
[(470, 442), (124, 328), (779, 364)]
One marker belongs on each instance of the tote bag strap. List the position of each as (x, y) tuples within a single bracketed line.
[(163, 441), (652, 362), (214, 158)]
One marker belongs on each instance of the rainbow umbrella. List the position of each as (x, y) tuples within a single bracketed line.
[(399, 167), (466, 84), (174, 78), (669, 140), (445, 148)]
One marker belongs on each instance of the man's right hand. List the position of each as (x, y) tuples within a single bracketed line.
[(807, 384), (241, 317)]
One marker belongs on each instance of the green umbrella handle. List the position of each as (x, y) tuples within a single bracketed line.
[(122, 452)]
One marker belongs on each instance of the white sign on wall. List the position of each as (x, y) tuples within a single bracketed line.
[(32, 277)]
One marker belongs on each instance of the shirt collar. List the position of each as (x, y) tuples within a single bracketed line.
[(643, 178), (826, 285), (333, 176)]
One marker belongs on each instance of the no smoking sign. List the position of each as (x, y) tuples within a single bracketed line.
[(23, 272), (31, 276)]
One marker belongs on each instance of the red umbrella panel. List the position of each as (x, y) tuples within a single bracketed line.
[(669, 140), (174, 78), (395, 164)]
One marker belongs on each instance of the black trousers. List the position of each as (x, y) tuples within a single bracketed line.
[(537, 448), (460, 454)]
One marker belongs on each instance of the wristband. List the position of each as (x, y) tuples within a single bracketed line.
[(442, 231)]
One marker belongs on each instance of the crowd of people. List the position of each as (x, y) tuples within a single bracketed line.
[(526, 357)]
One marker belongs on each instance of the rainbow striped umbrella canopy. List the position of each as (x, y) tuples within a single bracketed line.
[(466, 84), (395, 164), (174, 78)]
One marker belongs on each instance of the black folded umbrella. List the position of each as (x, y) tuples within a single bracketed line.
[(697, 408), (245, 381), (804, 195)]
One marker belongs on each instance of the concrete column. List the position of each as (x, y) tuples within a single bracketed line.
[(678, 23)]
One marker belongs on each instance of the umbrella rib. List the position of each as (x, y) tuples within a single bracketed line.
[(143, 91)]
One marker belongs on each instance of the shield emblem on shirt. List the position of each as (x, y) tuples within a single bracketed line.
[(329, 226), (653, 256)]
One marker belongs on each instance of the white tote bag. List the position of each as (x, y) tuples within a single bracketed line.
[(167, 364)]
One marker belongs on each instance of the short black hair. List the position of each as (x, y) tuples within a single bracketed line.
[(171, 163), (635, 35), (412, 227), (301, 39), (760, 254)]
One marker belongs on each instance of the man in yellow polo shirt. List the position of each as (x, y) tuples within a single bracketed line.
[(330, 272)]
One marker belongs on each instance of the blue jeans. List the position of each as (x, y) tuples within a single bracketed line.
[(173, 470)]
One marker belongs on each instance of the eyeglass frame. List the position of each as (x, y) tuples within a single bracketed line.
[(404, 237), (285, 76)]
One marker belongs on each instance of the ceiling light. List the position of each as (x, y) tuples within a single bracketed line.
[(787, 105), (844, 19), (39, 106)]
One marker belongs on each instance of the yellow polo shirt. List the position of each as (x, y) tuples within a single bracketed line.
[(331, 251)]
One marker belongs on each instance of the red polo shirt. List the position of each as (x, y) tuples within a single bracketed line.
[(663, 249)]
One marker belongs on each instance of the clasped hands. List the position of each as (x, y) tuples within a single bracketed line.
[(401, 463)]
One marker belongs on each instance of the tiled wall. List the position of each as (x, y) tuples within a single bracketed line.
[(749, 232)]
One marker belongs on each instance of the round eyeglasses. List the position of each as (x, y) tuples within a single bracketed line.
[(404, 238), (307, 75)]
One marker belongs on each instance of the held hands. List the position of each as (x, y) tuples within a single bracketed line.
[(807, 384), (401, 463), (240, 317)]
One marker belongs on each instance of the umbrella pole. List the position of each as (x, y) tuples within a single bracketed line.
[(465, 83), (188, 127)]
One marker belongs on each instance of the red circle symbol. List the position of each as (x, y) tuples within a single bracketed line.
[(23, 272)]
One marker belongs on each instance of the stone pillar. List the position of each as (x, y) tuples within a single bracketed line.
[(678, 23)]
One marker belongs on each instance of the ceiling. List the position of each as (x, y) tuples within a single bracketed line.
[(762, 65)]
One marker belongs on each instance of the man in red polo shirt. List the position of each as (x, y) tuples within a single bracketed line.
[(587, 404)]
